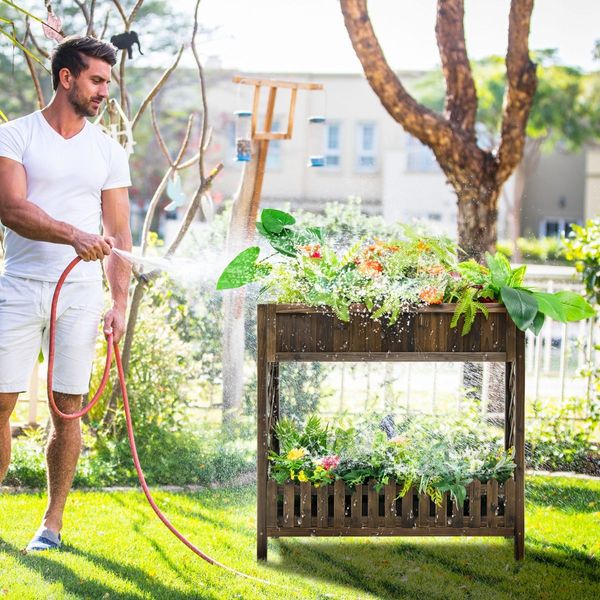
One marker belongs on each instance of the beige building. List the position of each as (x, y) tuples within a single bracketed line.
[(369, 155)]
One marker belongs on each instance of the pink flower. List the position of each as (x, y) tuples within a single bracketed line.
[(329, 462)]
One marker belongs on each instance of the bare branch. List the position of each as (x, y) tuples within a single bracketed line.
[(37, 46), (159, 137), (84, 11), (157, 87), (121, 11), (90, 29), (123, 90), (105, 26), (203, 134), (416, 119), (520, 91), (461, 97), (186, 139), (133, 13), (32, 72)]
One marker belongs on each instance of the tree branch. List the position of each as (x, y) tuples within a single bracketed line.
[(461, 97), (204, 132), (32, 72), (520, 91), (159, 84), (415, 118)]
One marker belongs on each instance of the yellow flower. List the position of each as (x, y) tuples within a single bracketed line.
[(292, 474), (302, 476), (296, 453)]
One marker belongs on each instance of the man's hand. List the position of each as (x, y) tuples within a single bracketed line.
[(90, 246), (114, 322)]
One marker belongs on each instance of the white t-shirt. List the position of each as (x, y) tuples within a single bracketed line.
[(65, 178)]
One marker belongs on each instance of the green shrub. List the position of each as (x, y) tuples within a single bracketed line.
[(534, 249), (27, 467)]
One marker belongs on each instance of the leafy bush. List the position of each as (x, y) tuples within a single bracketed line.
[(27, 467), (534, 249), (583, 247)]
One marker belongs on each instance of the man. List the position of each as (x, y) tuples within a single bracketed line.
[(60, 178)]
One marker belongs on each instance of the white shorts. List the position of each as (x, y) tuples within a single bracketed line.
[(24, 330)]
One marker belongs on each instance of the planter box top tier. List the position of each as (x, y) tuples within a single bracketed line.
[(302, 333)]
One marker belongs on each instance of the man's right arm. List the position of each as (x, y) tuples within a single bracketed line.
[(30, 221)]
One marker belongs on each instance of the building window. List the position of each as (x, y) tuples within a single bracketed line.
[(333, 146), (555, 227), (419, 158), (366, 158)]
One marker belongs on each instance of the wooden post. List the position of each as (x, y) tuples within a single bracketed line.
[(519, 416)]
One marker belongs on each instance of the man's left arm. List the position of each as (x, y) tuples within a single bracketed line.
[(115, 222)]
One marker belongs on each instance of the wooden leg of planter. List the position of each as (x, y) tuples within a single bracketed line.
[(262, 436), (519, 429)]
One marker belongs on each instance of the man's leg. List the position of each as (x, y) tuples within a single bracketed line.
[(7, 405), (62, 454)]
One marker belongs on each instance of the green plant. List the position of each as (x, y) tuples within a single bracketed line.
[(389, 277), (583, 247), (436, 455)]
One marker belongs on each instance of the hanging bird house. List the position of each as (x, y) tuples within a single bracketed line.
[(316, 141), (243, 135)]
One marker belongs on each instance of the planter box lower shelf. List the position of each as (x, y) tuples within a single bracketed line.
[(337, 510)]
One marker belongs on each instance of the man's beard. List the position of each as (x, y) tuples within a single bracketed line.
[(81, 107)]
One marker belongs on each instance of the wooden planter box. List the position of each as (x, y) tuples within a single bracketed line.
[(300, 333)]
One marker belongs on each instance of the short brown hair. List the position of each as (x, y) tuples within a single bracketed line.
[(70, 53)]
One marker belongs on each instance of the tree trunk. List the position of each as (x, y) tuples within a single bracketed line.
[(241, 232), (477, 219)]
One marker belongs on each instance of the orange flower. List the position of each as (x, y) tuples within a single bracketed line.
[(435, 270), (311, 250), (431, 295), (370, 268), (422, 246)]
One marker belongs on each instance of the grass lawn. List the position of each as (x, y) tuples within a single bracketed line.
[(116, 548)]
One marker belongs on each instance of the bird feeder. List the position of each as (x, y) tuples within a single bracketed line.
[(243, 135), (316, 141)]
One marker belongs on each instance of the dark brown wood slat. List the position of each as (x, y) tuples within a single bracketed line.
[(390, 518), (324, 326), (475, 504), (356, 507), (339, 501), (492, 502), (288, 505), (423, 520), (391, 357), (441, 518), (322, 506), (408, 517), (509, 503), (374, 335), (473, 343), (458, 511), (341, 341), (271, 503), (373, 506), (305, 503), (390, 531)]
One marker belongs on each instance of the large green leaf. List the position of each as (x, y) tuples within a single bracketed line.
[(517, 276), (521, 306), (500, 270), (551, 305), (538, 322), (241, 270), (576, 308), (275, 220)]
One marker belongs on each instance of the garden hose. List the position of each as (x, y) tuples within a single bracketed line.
[(113, 349)]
